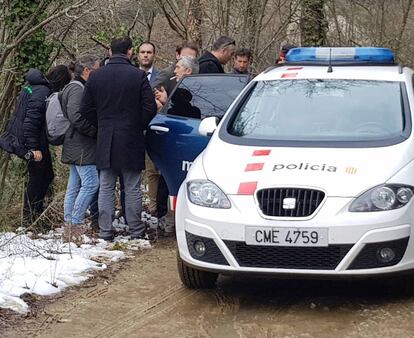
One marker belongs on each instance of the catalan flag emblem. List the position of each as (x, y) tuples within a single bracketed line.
[(351, 170)]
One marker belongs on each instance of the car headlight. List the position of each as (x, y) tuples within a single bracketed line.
[(384, 197), (207, 194)]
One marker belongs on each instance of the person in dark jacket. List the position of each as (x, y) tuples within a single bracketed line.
[(119, 100), (222, 52), (78, 151), (35, 140)]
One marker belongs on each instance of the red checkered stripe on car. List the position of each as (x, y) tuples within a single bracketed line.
[(289, 74), (248, 188)]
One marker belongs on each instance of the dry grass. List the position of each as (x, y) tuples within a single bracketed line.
[(12, 202)]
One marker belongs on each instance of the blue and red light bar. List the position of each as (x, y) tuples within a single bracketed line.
[(334, 55)]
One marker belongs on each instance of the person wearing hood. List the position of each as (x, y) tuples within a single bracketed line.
[(221, 53), (40, 167)]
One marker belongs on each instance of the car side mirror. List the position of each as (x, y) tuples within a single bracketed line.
[(208, 126)]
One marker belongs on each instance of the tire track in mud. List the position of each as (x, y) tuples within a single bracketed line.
[(143, 313), (225, 303), (51, 319), (42, 327), (96, 292)]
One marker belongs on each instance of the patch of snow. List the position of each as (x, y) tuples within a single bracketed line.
[(46, 265)]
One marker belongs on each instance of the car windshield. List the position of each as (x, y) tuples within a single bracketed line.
[(204, 96), (321, 110)]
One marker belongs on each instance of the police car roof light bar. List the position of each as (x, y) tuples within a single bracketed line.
[(348, 55)]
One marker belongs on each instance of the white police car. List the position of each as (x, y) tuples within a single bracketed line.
[(310, 172)]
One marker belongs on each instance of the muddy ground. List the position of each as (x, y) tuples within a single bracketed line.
[(143, 297)]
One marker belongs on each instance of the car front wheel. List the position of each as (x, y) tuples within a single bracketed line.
[(194, 278)]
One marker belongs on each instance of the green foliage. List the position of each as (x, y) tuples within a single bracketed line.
[(35, 50), (19, 11)]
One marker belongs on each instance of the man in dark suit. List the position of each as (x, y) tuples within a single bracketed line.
[(119, 100), (146, 58)]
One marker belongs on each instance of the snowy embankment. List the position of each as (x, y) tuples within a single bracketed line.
[(46, 265)]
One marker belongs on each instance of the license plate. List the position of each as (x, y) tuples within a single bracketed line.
[(286, 236)]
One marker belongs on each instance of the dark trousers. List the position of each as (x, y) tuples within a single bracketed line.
[(133, 201), (93, 208), (162, 198), (122, 197), (40, 177)]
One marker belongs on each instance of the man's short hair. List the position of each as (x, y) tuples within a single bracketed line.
[(121, 45), (86, 61), (243, 52), (146, 43), (223, 42), (190, 62), (186, 44)]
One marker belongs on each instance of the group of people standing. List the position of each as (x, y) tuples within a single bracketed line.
[(109, 105)]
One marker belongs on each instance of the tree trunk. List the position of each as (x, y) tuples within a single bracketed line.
[(313, 24)]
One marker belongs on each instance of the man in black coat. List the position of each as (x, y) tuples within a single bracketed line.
[(35, 138), (119, 100), (221, 53), (34, 130)]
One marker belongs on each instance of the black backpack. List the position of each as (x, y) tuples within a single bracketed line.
[(12, 140)]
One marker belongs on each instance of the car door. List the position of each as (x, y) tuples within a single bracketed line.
[(173, 141)]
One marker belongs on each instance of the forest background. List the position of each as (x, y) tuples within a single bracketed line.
[(43, 33)]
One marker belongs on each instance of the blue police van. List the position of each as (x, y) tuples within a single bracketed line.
[(173, 140)]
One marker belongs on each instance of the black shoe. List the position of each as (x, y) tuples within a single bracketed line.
[(108, 239)]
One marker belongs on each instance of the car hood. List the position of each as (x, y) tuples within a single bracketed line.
[(341, 172)]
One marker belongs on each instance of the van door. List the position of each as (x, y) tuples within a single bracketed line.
[(173, 141)]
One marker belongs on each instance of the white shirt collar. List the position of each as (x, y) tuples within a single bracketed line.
[(149, 72)]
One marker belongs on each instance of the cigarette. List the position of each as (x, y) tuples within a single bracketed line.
[(172, 78)]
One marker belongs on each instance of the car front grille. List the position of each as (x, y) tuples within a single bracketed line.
[(306, 201), (286, 257)]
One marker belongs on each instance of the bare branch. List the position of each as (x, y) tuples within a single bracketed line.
[(134, 22), (99, 42), (25, 34)]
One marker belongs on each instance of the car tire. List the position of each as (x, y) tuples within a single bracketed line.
[(194, 278)]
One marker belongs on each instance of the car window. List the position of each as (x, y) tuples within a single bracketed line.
[(204, 96), (321, 110)]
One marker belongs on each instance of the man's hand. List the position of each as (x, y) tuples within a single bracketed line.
[(161, 95), (37, 155), (159, 105)]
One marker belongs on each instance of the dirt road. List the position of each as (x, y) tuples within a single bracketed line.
[(145, 298)]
